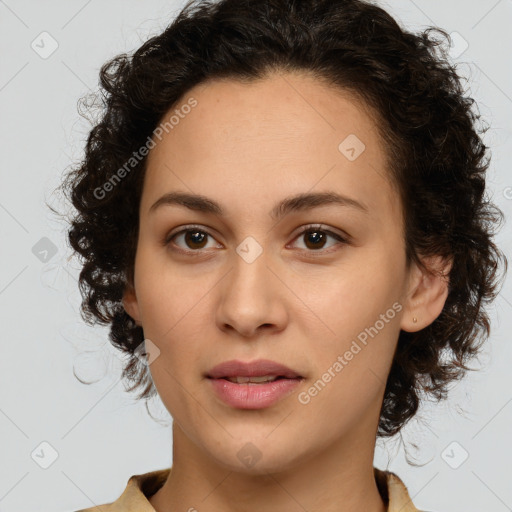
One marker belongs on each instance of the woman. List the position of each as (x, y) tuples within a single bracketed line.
[(283, 221)]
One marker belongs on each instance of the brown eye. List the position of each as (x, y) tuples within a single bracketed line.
[(193, 239), (315, 238)]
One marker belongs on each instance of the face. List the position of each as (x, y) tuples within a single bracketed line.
[(248, 282)]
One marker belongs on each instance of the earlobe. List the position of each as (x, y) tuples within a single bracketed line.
[(427, 295), (130, 304)]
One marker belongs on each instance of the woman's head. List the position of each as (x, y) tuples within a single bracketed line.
[(247, 104)]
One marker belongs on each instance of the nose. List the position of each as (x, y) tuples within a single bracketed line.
[(253, 295)]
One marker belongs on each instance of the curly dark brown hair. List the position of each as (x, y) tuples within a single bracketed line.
[(435, 156)]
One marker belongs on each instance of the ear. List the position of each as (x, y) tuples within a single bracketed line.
[(130, 303), (426, 294)]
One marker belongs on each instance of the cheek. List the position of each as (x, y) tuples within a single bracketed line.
[(174, 313), (166, 295), (178, 367), (357, 318), (351, 368), (344, 402), (347, 299)]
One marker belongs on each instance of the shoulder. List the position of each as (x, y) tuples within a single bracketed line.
[(394, 491), (135, 495)]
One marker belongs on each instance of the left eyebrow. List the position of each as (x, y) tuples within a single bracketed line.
[(299, 202)]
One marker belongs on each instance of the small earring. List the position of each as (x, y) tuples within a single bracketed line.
[(414, 319)]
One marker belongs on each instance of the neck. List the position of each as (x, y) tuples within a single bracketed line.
[(337, 479)]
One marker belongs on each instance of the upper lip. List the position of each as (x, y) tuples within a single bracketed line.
[(259, 368)]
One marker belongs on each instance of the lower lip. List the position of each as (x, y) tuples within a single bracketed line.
[(253, 396)]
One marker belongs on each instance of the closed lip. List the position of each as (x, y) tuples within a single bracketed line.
[(258, 368)]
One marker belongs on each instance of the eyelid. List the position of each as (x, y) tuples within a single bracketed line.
[(322, 227), (188, 227), (342, 239)]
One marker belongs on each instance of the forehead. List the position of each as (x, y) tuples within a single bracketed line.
[(287, 132)]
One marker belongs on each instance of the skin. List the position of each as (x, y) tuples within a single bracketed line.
[(300, 303)]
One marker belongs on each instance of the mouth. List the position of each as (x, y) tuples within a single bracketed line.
[(254, 385), (263, 379), (256, 372)]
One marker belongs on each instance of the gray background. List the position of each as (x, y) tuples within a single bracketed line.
[(99, 434)]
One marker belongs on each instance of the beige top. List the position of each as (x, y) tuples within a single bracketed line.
[(141, 487)]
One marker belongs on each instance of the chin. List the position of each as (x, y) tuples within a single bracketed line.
[(258, 454)]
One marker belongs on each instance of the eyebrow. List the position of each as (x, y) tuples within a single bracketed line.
[(299, 202)]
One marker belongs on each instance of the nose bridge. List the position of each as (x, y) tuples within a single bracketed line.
[(250, 263), (250, 285)]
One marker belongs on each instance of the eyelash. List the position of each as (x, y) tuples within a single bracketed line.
[(309, 228)]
